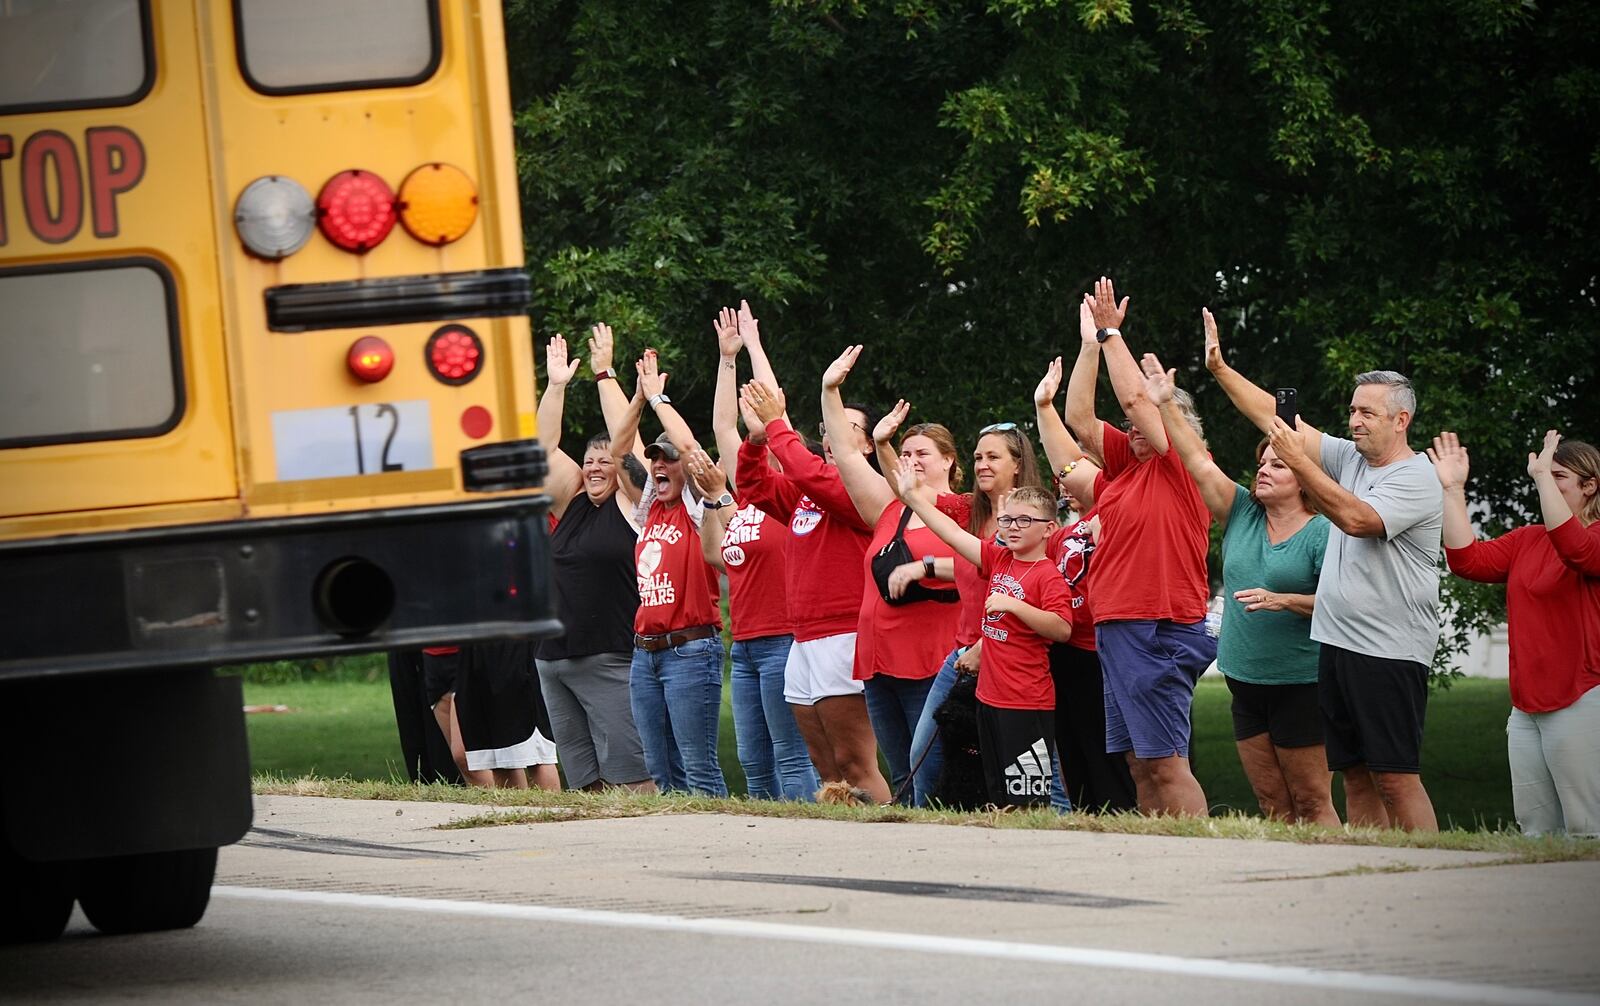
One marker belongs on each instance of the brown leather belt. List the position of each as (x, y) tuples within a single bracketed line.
[(655, 644)]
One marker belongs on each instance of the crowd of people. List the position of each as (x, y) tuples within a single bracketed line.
[(867, 587)]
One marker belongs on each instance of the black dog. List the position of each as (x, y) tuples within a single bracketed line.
[(961, 784)]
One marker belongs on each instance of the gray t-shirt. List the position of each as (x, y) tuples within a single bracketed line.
[(1380, 596)]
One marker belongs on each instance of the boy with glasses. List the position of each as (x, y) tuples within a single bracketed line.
[(1028, 607)]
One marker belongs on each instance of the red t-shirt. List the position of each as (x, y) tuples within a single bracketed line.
[(1154, 527), (1552, 607), (823, 560), (1071, 548), (753, 547), (906, 640), (969, 581), (677, 587), (1014, 666)]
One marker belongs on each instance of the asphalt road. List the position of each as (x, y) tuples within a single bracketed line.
[(344, 901)]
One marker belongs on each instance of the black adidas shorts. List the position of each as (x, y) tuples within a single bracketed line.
[(1018, 748)]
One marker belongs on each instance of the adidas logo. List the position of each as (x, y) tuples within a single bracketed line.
[(1029, 775)]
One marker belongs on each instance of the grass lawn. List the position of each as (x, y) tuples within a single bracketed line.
[(346, 728)]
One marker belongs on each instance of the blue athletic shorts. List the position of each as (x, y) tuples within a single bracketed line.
[(1150, 670)]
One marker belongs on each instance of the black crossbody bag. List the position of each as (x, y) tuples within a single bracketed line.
[(897, 553)]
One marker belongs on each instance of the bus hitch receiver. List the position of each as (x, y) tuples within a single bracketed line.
[(514, 464)]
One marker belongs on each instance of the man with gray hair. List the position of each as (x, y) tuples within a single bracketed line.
[(1377, 608)]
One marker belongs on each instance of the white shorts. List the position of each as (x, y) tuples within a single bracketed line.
[(821, 669), (536, 750)]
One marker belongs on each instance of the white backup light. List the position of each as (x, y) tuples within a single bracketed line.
[(275, 217)]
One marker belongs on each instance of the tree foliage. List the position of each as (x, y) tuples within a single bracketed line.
[(1349, 186)]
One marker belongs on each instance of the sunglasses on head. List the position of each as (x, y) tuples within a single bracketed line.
[(997, 428)]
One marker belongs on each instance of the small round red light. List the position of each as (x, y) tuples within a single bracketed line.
[(370, 358), (454, 354), (355, 210), (476, 422)]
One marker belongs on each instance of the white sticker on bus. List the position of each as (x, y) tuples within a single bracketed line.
[(352, 440)]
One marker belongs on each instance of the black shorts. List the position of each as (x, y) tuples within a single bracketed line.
[(1018, 748), (1372, 710), (439, 673), (1290, 714)]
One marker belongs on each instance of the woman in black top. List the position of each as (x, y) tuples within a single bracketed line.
[(584, 673)]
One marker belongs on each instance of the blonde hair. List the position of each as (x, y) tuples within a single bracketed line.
[(944, 442), (1033, 496), (1583, 460)]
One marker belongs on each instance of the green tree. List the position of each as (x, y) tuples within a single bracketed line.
[(1349, 186)]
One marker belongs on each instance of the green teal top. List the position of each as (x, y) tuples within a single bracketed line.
[(1268, 647)]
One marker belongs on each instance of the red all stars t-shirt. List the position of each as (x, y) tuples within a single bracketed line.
[(1014, 665), (677, 587), (753, 547), (1070, 548)]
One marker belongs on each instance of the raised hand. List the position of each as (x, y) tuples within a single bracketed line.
[(729, 341), (767, 403), (1539, 464), (885, 430), (601, 346), (708, 476), (1286, 443), (1087, 329), (839, 369), (1158, 384), (909, 478), (1045, 394), (1214, 360), (1450, 462), (749, 327), (1103, 304), (651, 382), (559, 371), (752, 424)]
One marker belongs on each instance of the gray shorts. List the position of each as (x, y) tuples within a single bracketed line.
[(592, 719)]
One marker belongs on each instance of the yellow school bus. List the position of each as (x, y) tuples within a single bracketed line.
[(266, 389)]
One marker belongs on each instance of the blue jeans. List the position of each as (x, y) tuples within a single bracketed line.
[(1059, 801), (776, 764), (927, 758), (895, 707), (676, 696)]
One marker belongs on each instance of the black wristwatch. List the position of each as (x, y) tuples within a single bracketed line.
[(726, 499), (927, 566), (1105, 333)]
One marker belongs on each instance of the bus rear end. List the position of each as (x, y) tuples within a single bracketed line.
[(266, 379)]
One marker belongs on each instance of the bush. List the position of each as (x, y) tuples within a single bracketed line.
[(364, 667)]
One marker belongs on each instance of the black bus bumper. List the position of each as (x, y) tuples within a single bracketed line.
[(242, 591)]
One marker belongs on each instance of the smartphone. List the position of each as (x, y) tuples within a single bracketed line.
[(1288, 405)]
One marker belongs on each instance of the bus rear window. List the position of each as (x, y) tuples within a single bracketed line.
[(88, 352), (84, 54), (297, 46)]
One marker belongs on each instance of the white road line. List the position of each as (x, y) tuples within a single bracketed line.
[(1120, 960)]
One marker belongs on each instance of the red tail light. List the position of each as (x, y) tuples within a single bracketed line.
[(370, 358), (355, 210), (454, 354)]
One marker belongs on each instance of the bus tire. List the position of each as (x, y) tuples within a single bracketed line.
[(149, 892), (38, 900)]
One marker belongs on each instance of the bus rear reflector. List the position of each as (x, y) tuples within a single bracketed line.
[(274, 217), (454, 354), (355, 210), (437, 204), (370, 358)]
